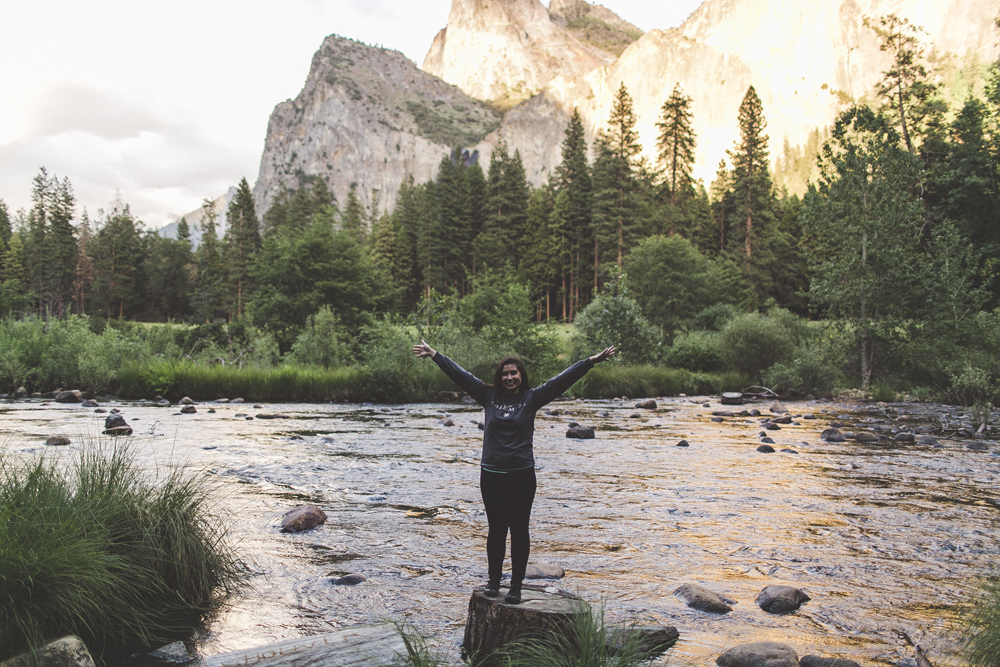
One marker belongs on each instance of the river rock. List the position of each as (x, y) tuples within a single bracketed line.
[(188, 410), (770, 426), (236, 400), (978, 447), (865, 436), (211, 411), (767, 441), (271, 415), (903, 437), (717, 419), (809, 415), (650, 640), (831, 435), (69, 651), (302, 518), (554, 412), (787, 419), (817, 661), (73, 396), (186, 401), (731, 398), (646, 404), (766, 449), (175, 652), (778, 599), (347, 580), (21, 392), (759, 654), (221, 400), (446, 422), (90, 403), (544, 571), (57, 441), (778, 409), (163, 403), (582, 432), (100, 411), (683, 443), (788, 450), (754, 412), (702, 599), (115, 425), (928, 441)]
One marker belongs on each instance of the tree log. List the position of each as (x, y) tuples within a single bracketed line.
[(493, 623)]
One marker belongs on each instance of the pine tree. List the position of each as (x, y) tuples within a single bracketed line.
[(83, 278), (242, 242), (576, 213), (721, 192), (353, 217), (5, 228), (60, 247), (14, 297), (115, 251), (676, 143), (751, 180), (207, 297)]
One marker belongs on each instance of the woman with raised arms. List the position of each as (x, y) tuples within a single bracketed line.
[(507, 466)]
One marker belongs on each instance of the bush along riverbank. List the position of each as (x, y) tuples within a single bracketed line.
[(97, 549)]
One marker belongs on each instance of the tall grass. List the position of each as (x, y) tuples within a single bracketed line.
[(100, 550), (609, 380), (589, 642), (982, 628)]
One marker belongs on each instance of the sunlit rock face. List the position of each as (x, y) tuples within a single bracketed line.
[(366, 116), (507, 50)]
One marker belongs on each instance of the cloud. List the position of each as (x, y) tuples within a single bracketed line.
[(107, 114)]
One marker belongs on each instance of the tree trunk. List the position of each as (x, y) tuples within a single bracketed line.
[(493, 623)]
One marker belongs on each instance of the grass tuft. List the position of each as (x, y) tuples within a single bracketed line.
[(99, 550), (982, 627)]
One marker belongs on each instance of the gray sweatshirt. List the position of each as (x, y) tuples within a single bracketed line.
[(510, 420)]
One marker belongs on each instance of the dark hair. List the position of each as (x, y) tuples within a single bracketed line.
[(498, 374)]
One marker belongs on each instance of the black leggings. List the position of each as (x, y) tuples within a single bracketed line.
[(508, 497)]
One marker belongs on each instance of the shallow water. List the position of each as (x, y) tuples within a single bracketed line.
[(887, 538)]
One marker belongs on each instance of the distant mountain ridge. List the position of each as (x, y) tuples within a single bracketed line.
[(369, 117)]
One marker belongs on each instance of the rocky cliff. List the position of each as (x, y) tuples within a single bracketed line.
[(366, 116)]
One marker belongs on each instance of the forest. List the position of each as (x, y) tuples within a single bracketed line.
[(879, 279)]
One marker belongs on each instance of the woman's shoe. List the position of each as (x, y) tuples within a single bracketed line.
[(513, 596), (492, 590)]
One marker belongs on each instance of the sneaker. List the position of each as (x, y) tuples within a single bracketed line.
[(492, 590), (513, 597)]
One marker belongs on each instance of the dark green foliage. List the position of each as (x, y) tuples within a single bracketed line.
[(696, 351), (614, 318), (981, 627), (449, 125), (676, 143), (116, 252), (101, 552), (611, 380), (241, 244), (753, 342)]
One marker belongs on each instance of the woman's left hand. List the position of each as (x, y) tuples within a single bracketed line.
[(604, 354)]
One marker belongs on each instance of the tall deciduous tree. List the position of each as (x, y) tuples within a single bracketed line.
[(676, 143)]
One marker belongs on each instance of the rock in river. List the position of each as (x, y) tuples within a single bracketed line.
[(302, 518), (544, 571), (582, 432), (778, 409), (116, 425), (188, 410), (73, 396), (683, 443), (832, 435), (702, 599), (347, 580), (766, 449), (777, 599), (57, 441), (646, 404), (817, 661), (759, 654), (69, 651), (90, 403)]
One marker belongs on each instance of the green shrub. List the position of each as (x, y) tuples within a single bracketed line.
[(883, 393), (807, 372), (714, 317), (696, 351), (322, 342), (614, 318), (754, 342), (101, 551), (971, 385)]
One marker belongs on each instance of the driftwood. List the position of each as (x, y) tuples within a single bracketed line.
[(493, 623), (364, 646)]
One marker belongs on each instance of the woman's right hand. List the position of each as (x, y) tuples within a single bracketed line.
[(422, 349)]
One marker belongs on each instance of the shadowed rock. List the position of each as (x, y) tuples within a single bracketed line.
[(73, 396), (544, 571), (582, 432), (702, 599), (271, 415), (904, 437), (683, 443), (446, 422), (175, 652), (57, 441), (90, 403), (347, 580), (188, 410), (766, 449), (817, 661), (67, 651), (646, 404), (864, 436), (302, 518), (759, 654), (115, 425), (650, 640), (832, 435), (778, 409), (777, 599)]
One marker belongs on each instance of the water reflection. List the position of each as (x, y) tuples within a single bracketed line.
[(885, 537)]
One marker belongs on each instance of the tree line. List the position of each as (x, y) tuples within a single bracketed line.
[(900, 229)]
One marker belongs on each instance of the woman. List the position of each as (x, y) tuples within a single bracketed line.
[(507, 467)]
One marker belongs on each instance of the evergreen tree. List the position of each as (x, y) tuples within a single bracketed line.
[(476, 205), (60, 247), (34, 240), (676, 143), (14, 296), (242, 242), (507, 210), (721, 207), (83, 277), (575, 219), (5, 228), (751, 181), (353, 218), (116, 251), (406, 222), (207, 298), (390, 254)]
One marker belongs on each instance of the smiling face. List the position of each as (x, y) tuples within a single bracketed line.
[(511, 378)]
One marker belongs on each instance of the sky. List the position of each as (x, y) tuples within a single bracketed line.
[(166, 104)]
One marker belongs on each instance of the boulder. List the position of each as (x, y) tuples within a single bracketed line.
[(683, 443), (446, 422), (778, 409), (163, 403), (582, 432), (702, 599), (787, 419), (832, 435), (717, 419), (347, 580), (865, 436), (115, 425), (73, 396), (903, 437), (302, 518), (221, 400), (57, 441), (211, 411), (174, 652), (186, 401), (927, 441), (978, 447), (731, 398), (766, 449), (809, 415), (188, 409), (90, 403), (21, 392), (69, 651), (236, 400), (100, 411), (778, 599), (770, 426), (646, 404), (544, 571), (271, 415), (817, 661), (759, 654), (766, 441), (754, 412)]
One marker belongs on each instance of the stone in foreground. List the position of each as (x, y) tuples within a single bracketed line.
[(777, 599), (364, 646), (115, 425), (650, 640), (544, 571), (493, 623), (582, 432), (702, 599), (57, 441), (69, 651), (302, 518), (759, 654)]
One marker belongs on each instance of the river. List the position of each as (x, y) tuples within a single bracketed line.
[(886, 538)]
